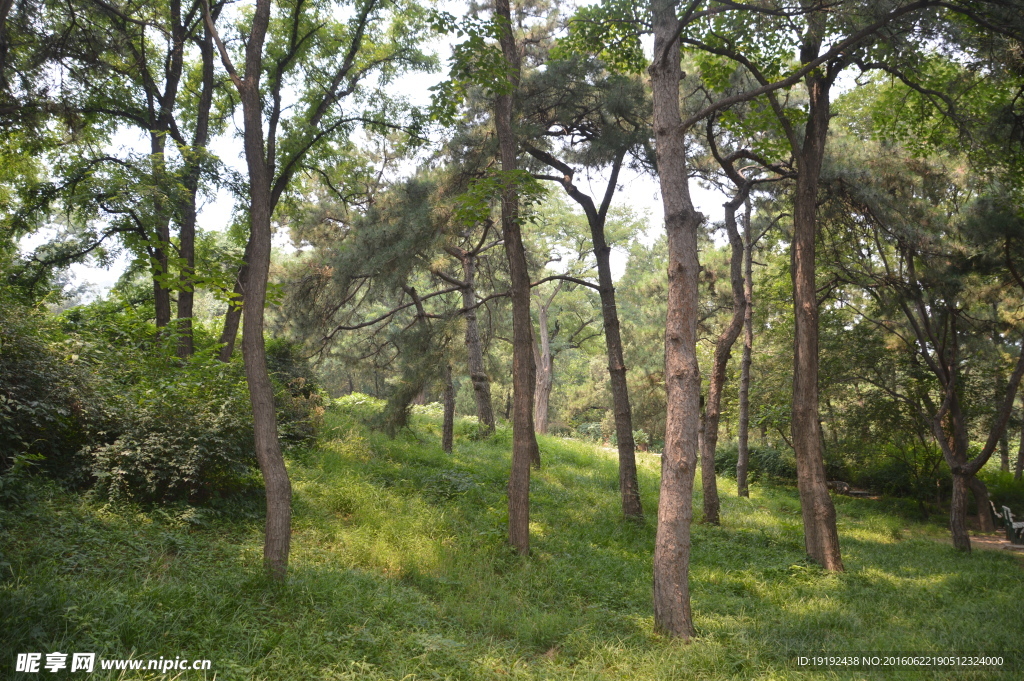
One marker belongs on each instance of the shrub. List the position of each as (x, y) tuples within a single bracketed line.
[(772, 463), (186, 435), (1003, 490), (49, 409)]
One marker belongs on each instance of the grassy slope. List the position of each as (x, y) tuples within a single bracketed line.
[(400, 571)]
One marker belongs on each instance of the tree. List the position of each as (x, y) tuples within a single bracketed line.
[(332, 59), (601, 118)]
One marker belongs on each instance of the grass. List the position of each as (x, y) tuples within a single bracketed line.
[(400, 570)]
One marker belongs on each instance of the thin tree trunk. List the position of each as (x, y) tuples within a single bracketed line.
[(672, 614), (524, 440), (448, 427), (819, 517), (187, 235), (743, 453), (596, 217), (233, 315), (474, 349), (162, 232), (545, 370), (723, 349), (277, 540)]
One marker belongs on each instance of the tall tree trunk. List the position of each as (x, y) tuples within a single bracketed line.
[(545, 371), (819, 516), (723, 349), (524, 440), (474, 348), (187, 235), (743, 452), (672, 614), (161, 232), (448, 427)]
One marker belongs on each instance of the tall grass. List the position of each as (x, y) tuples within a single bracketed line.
[(400, 570)]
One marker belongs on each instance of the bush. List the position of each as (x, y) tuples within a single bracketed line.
[(49, 409), (772, 463), (300, 402), (1003, 490), (186, 435)]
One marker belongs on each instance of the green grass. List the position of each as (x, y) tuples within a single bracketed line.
[(400, 570)]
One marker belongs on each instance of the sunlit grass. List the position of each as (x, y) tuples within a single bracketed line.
[(400, 570)]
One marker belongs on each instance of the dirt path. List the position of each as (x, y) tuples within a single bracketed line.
[(991, 542)]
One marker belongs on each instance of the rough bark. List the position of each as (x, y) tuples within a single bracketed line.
[(672, 614), (743, 453), (524, 440), (723, 350), (821, 538), (277, 540), (596, 218), (474, 348), (161, 232), (448, 427)]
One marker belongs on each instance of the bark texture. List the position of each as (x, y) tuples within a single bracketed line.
[(448, 427), (743, 452), (524, 440), (672, 614), (821, 538), (723, 350)]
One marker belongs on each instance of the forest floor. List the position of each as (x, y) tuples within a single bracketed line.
[(400, 570)]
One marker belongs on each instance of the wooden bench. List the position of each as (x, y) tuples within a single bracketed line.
[(1014, 530)]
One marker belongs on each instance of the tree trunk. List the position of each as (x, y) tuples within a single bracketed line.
[(448, 428), (819, 517), (524, 440), (162, 232), (596, 217), (672, 614), (743, 453), (1019, 468), (474, 349), (545, 372), (187, 235), (629, 488), (233, 315), (723, 349), (958, 513)]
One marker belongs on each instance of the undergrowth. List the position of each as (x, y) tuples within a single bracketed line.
[(400, 570)]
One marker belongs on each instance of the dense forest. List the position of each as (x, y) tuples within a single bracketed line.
[(439, 279)]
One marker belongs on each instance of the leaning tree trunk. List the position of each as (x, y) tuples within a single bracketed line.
[(628, 486), (524, 440), (474, 349), (743, 452), (672, 614), (723, 349), (821, 537)]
